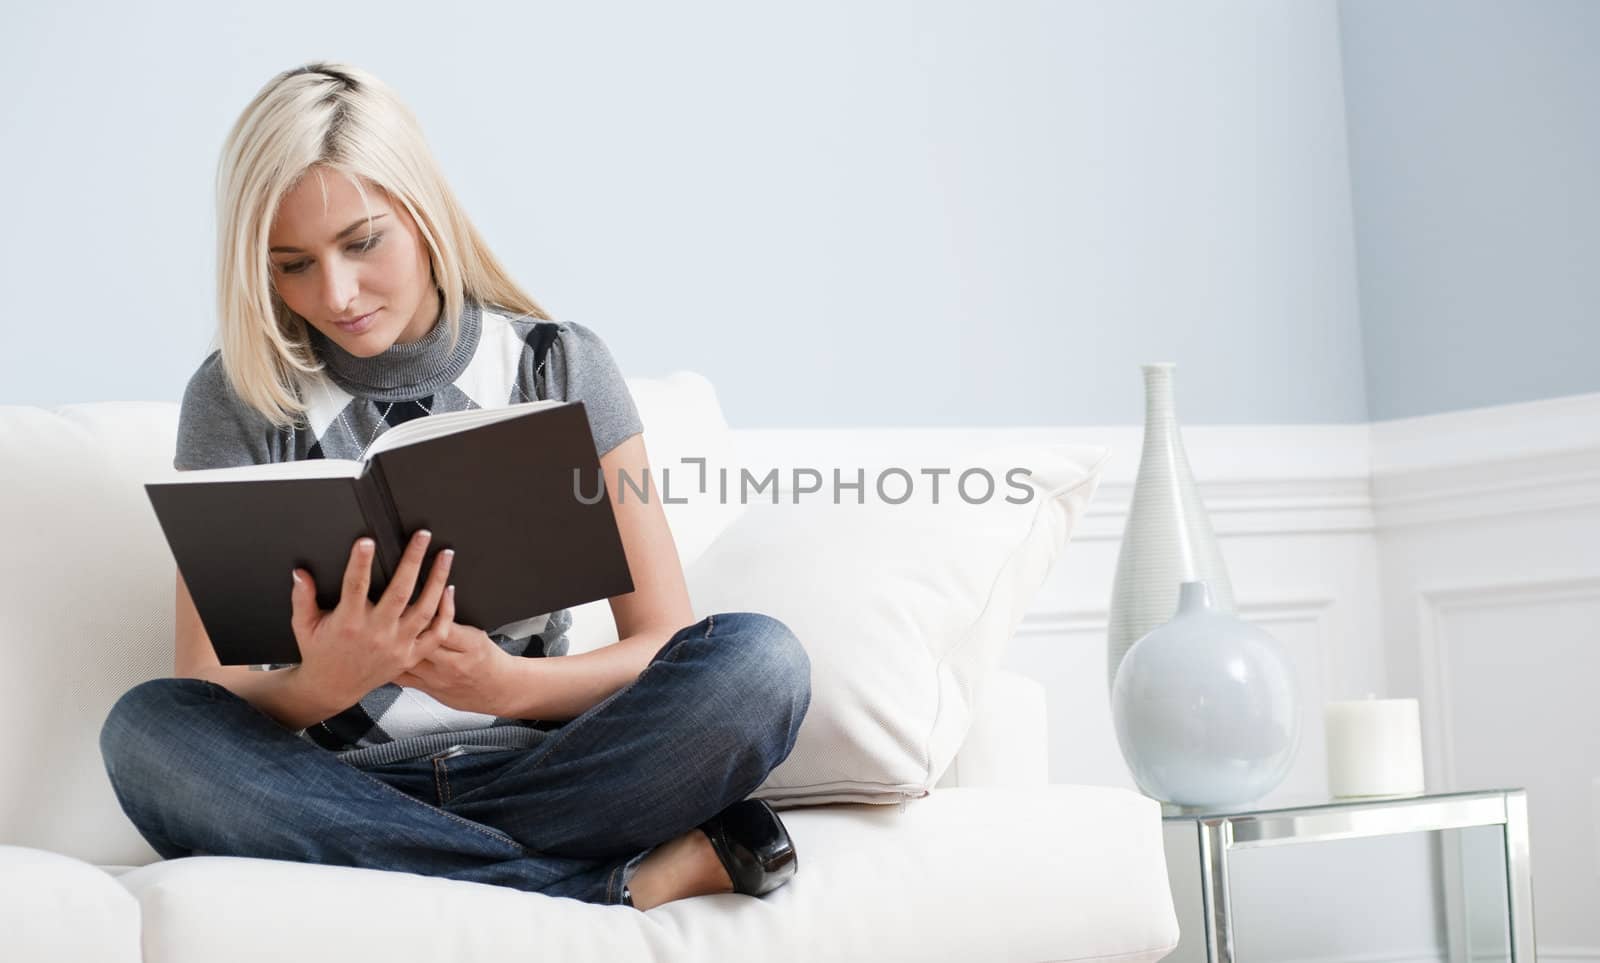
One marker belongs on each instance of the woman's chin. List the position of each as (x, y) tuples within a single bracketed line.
[(373, 341)]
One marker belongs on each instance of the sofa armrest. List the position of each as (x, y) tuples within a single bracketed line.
[(1008, 744)]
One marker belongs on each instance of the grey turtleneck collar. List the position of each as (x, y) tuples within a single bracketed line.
[(405, 371)]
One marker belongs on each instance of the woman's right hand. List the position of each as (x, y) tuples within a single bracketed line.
[(353, 648)]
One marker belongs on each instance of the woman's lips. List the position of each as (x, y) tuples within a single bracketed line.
[(359, 324)]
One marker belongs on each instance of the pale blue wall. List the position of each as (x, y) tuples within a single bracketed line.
[(880, 213), (884, 213), (1475, 157)]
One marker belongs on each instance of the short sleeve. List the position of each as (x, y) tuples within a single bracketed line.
[(215, 428), (579, 367)]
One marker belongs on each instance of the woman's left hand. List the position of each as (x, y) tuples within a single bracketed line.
[(467, 671)]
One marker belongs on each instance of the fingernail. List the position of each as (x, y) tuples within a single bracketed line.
[(424, 534), (366, 544), (448, 553), (295, 575), (452, 590)]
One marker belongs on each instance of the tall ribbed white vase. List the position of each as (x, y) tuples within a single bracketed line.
[(1168, 539)]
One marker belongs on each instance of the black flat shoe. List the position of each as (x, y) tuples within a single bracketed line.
[(754, 847)]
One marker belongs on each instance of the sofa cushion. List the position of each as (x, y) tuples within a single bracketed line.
[(1007, 743), (1051, 873), (903, 608), (57, 909)]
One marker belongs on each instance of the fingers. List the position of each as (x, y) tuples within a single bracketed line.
[(427, 605), (398, 592), (439, 629), (447, 610), (302, 602), (357, 575)]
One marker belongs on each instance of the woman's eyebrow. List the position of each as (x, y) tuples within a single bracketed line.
[(337, 237)]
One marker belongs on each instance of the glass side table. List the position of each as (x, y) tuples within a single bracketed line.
[(1200, 841)]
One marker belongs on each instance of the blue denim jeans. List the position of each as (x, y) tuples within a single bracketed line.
[(199, 770)]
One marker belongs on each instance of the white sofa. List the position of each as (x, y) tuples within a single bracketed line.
[(992, 864)]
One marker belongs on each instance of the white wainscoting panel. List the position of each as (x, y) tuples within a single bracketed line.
[(1489, 537)]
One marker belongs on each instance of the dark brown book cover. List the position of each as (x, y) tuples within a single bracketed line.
[(504, 495)]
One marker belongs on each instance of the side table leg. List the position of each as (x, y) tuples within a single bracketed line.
[(1519, 879), (1216, 836)]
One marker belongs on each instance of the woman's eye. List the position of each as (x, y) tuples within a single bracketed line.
[(360, 247)]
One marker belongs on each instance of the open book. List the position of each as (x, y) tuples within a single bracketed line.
[(516, 491)]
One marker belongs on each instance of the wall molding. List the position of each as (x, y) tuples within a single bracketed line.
[(1453, 439), (1255, 480), (1434, 606), (1264, 506), (1539, 482), (1285, 607), (1536, 456)]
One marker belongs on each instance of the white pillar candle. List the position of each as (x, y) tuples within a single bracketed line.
[(1374, 747)]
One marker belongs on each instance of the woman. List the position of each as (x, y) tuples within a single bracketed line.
[(353, 295)]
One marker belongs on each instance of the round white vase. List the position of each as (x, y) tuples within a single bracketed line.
[(1206, 707), (1168, 538)]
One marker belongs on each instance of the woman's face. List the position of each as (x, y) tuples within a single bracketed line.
[(365, 284)]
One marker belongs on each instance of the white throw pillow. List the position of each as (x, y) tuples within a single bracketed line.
[(904, 610), (682, 420)]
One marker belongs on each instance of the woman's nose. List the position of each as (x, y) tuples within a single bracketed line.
[(339, 287)]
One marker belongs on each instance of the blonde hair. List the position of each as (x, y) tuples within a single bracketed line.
[(344, 119)]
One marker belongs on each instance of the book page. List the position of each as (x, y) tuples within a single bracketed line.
[(450, 422), (307, 468)]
